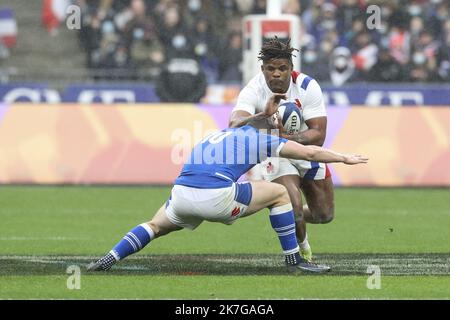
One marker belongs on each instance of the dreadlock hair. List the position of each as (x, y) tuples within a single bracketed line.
[(275, 49)]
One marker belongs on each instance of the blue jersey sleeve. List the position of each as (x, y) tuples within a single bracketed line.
[(270, 145)]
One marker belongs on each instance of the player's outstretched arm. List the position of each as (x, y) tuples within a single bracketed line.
[(293, 150)]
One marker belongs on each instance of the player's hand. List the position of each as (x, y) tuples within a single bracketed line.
[(279, 123), (354, 159), (272, 104)]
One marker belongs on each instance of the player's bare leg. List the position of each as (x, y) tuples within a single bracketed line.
[(161, 225), (135, 240), (319, 195), (266, 195)]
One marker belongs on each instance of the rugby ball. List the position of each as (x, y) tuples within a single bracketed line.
[(290, 116)]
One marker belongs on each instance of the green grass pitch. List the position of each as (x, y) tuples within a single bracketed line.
[(43, 230)]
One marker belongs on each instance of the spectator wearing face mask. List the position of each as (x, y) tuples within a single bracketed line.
[(416, 26), (349, 35), (326, 21), (147, 52), (259, 7), (206, 48), (103, 58), (419, 70), (424, 58), (342, 68), (140, 35), (444, 54), (174, 34), (230, 68), (438, 15), (386, 69), (348, 12), (315, 64)]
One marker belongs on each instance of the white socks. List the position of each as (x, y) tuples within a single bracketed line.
[(305, 244)]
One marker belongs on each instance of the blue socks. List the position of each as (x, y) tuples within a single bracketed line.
[(283, 222), (281, 219), (133, 241)]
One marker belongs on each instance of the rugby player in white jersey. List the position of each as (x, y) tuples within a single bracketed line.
[(313, 178)]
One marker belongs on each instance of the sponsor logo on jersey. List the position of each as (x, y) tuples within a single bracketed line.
[(235, 211), (269, 168)]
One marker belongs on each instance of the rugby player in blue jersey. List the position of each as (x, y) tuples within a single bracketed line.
[(207, 188)]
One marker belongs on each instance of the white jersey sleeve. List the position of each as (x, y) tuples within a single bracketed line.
[(313, 103), (247, 100), (252, 97)]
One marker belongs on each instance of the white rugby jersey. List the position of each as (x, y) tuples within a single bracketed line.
[(303, 90)]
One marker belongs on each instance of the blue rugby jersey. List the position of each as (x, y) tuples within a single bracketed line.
[(223, 157)]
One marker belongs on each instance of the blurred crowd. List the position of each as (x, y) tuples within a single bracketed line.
[(139, 35), (410, 43)]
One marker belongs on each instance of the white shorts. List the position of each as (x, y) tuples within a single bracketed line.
[(273, 168), (188, 207)]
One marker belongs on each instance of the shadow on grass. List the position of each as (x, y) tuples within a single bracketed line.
[(230, 264)]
